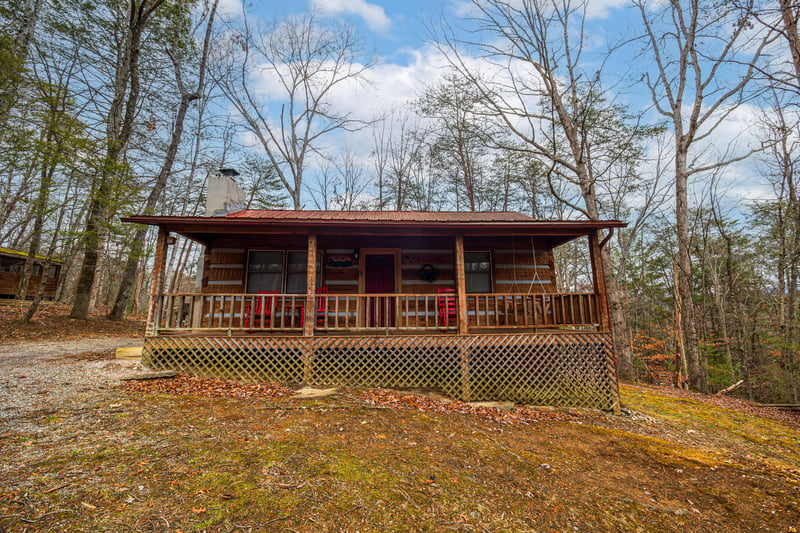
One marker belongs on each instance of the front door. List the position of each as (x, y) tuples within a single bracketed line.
[(379, 279)]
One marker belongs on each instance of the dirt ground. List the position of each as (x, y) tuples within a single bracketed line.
[(102, 456)]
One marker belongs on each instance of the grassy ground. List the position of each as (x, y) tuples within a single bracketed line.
[(162, 462)]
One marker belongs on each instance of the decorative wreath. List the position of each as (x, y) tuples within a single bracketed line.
[(428, 273)]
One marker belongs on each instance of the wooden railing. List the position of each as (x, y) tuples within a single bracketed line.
[(269, 312), (532, 310), (373, 312), (376, 312)]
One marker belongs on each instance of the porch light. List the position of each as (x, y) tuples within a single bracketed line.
[(171, 240), (355, 253)]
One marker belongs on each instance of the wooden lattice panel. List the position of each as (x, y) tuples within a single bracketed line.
[(415, 361), (565, 369)]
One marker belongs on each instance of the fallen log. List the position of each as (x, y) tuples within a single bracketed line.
[(150, 375), (731, 388)]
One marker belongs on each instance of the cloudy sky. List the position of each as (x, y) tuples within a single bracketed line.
[(398, 31)]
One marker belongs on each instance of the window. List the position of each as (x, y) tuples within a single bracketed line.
[(284, 272), (478, 271), (296, 272), (264, 272)]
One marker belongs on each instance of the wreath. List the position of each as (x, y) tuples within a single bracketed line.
[(428, 273)]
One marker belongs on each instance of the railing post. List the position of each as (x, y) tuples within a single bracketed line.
[(159, 263)]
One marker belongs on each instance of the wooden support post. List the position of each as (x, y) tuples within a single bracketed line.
[(461, 301), (599, 281), (461, 286), (310, 319), (159, 263)]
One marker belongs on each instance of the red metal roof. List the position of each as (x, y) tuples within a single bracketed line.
[(382, 216)]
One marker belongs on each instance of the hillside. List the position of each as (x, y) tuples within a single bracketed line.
[(228, 457)]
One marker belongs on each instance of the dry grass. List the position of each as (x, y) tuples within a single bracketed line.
[(167, 462)]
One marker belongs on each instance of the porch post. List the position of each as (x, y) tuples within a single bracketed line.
[(310, 318), (159, 263), (461, 286), (599, 280)]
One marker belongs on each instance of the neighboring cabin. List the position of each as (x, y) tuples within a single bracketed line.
[(463, 302), (11, 265)]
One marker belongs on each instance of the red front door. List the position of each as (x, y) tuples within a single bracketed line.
[(379, 279)]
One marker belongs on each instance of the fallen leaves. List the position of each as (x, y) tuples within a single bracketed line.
[(52, 322), (519, 415), (211, 387)]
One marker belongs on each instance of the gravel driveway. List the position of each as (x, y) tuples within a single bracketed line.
[(42, 376)]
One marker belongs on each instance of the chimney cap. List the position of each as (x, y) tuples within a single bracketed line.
[(228, 172)]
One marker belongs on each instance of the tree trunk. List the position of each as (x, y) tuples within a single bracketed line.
[(697, 375), (134, 256), (119, 130)]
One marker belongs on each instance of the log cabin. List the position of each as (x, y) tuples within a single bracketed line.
[(465, 303), (11, 265)]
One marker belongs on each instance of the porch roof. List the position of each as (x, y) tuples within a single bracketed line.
[(418, 223)]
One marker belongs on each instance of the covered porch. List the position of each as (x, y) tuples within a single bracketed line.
[(467, 303)]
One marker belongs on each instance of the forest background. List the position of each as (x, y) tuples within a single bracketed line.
[(679, 117)]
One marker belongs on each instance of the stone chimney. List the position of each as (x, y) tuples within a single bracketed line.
[(224, 195)]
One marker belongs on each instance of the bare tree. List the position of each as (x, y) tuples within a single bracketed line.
[(176, 53), (399, 146), (702, 62), (461, 136), (538, 88), (125, 102), (308, 62)]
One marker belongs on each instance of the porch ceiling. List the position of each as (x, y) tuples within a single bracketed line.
[(207, 229)]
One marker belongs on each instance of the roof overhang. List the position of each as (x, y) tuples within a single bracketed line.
[(206, 229)]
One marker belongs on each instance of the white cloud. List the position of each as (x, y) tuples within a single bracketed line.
[(229, 7), (373, 16), (594, 8)]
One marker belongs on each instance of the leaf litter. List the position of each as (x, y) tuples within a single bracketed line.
[(194, 454)]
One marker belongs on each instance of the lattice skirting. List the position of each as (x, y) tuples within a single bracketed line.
[(570, 369)]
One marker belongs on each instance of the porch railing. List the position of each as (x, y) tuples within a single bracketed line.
[(376, 312), (285, 313), (532, 310)]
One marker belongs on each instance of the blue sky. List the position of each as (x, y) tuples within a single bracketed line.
[(407, 64)]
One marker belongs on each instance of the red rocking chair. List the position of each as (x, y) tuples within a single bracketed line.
[(263, 307), (322, 304), (446, 300)]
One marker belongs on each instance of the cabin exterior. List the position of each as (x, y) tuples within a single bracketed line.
[(11, 265), (466, 303)]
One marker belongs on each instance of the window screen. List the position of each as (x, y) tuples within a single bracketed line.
[(264, 271), (478, 271)]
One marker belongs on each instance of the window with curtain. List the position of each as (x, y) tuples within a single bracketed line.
[(478, 271)]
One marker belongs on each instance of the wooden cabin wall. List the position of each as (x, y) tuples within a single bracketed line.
[(515, 266), (11, 271), (10, 280), (337, 275), (413, 259), (224, 270), (519, 264)]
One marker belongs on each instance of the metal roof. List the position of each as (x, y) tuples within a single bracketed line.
[(19, 253), (382, 216)]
